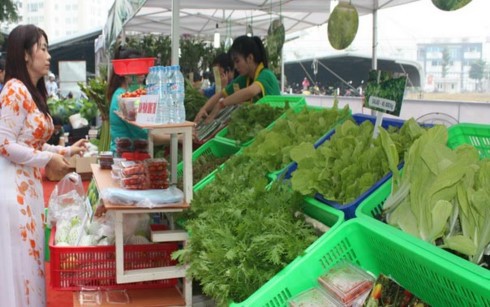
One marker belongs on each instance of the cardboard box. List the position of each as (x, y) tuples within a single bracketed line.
[(81, 165), (78, 164)]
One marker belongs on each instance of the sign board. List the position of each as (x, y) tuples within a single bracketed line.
[(147, 109), (385, 91), (71, 72)]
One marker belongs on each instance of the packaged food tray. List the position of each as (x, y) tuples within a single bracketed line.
[(296, 103), (372, 207), (74, 267), (475, 134), (377, 250), (349, 209)]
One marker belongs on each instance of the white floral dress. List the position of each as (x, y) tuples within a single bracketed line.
[(23, 152)]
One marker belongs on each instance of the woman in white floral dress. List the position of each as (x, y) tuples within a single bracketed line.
[(25, 126)]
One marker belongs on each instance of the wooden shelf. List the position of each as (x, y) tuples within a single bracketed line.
[(103, 179)]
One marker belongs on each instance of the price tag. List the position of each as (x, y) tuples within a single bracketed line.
[(381, 103), (147, 109), (385, 91)]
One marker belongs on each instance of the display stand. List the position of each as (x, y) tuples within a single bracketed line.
[(104, 180)]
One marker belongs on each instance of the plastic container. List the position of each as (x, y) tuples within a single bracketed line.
[(213, 147), (346, 282), (76, 267), (296, 103), (129, 107), (475, 134), (314, 297), (349, 209), (372, 207), (376, 249), (136, 66)]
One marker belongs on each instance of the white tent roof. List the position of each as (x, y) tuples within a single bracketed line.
[(199, 17)]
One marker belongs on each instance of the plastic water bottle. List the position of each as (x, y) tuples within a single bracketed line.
[(176, 93), (150, 81), (163, 99), (180, 95)]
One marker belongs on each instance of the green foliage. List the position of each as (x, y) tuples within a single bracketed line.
[(158, 46), (88, 109), (193, 101), (8, 11), (64, 108), (243, 229), (250, 119), (95, 91), (243, 233), (477, 70), (351, 161), (271, 148)]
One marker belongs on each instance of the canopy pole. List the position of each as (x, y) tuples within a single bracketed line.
[(175, 32), (282, 70), (374, 63)]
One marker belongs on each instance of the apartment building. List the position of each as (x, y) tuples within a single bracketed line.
[(63, 18)]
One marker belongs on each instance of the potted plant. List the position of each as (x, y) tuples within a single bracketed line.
[(95, 91)]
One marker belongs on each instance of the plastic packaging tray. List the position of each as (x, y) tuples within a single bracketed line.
[(376, 249)]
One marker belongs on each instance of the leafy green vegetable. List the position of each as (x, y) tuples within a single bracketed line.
[(243, 230), (444, 195), (248, 120), (351, 161)]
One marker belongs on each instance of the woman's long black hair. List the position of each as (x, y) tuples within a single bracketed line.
[(245, 45), (22, 40)]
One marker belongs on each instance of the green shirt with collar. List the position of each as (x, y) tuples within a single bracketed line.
[(264, 77)]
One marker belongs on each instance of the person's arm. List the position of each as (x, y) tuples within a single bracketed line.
[(15, 110), (238, 97), (208, 107)]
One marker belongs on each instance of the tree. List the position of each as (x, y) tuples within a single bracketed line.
[(477, 71), (8, 11), (446, 61)]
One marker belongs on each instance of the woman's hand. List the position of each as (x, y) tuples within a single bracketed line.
[(217, 108), (201, 115), (57, 166), (79, 147)]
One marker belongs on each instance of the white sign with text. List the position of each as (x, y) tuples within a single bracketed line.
[(147, 109)]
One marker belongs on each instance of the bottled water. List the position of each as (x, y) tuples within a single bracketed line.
[(150, 81), (163, 101), (176, 93), (181, 95)]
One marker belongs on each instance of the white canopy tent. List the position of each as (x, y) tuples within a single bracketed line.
[(176, 17)]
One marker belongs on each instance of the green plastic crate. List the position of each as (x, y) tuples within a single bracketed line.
[(378, 250), (296, 103), (474, 134), (212, 147), (371, 208)]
